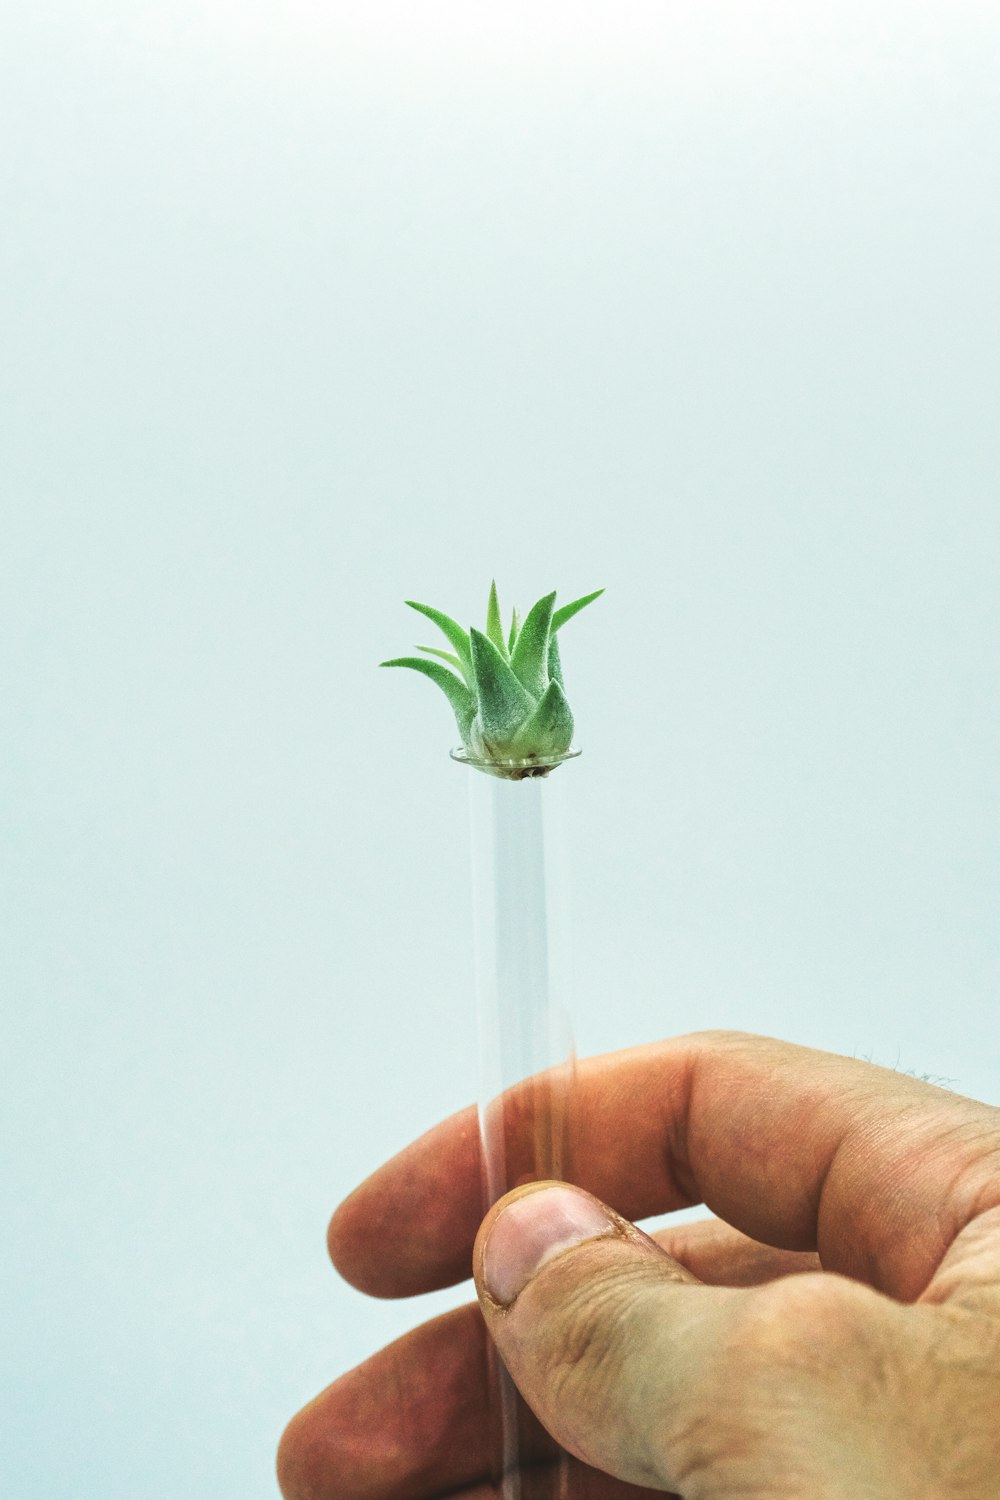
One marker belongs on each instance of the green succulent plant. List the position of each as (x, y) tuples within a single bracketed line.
[(506, 688)]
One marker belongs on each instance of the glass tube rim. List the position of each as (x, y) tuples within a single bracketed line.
[(514, 770)]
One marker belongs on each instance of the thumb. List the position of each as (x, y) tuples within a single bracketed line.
[(598, 1326)]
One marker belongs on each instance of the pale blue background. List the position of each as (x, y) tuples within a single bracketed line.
[(307, 308)]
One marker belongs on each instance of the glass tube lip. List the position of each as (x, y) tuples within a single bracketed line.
[(514, 770)]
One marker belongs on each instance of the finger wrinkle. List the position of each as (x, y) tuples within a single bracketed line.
[(934, 1175)]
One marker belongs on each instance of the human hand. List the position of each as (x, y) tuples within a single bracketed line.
[(694, 1361)]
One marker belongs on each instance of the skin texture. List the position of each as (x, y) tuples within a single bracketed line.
[(834, 1334)]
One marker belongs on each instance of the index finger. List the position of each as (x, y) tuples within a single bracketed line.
[(799, 1149)]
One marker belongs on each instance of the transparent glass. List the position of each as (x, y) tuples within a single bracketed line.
[(521, 893)]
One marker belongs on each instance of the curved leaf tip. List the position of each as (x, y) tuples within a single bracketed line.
[(569, 610)]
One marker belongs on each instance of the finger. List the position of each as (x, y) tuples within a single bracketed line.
[(415, 1421), (721, 1256), (638, 1370), (421, 1408), (577, 1300), (798, 1149), (407, 1424)]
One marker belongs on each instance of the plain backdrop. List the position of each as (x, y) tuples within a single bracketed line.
[(307, 308)]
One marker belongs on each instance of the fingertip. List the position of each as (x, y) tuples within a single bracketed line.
[(341, 1243), (355, 1236), (412, 1418), (301, 1459), (387, 1248)]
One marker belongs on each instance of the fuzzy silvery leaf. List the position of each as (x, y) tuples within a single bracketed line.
[(494, 629), (555, 665), (454, 632), (549, 731), (448, 656), (515, 625), (530, 658), (569, 610), (504, 704)]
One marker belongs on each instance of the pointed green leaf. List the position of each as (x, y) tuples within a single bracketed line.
[(569, 610), (479, 750), (549, 731), (494, 629), (448, 656), (530, 657), (462, 701), (451, 628), (515, 625), (555, 665), (504, 703)]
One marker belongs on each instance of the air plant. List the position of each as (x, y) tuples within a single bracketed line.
[(506, 688)]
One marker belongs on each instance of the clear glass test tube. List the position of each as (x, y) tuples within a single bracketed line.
[(521, 892)]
